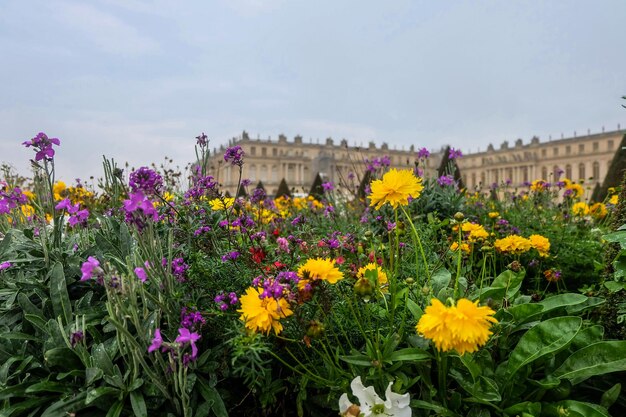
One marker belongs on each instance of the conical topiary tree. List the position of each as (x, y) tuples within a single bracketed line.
[(283, 190), (242, 192), (317, 191), (260, 185), (448, 166), (615, 173)]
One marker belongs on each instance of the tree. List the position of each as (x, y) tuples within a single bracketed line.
[(449, 166), (316, 189), (614, 174), (283, 190)]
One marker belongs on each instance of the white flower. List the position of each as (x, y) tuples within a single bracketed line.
[(370, 404)]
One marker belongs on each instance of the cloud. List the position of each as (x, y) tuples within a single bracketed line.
[(107, 31)]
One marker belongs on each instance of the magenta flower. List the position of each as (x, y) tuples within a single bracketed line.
[(423, 153), (88, 268), (157, 341), (234, 155), (43, 144), (141, 274), (5, 265), (185, 336), (455, 153), (328, 186)]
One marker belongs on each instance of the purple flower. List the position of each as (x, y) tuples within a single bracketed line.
[(145, 180), (5, 265), (141, 274), (283, 244), (88, 268), (202, 140), (230, 256), (245, 182), (328, 186), (43, 144), (202, 187), (423, 153), (64, 204), (455, 153), (445, 180), (10, 200), (234, 155), (76, 337), (258, 195), (185, 336), (157, 341), (138, 209)]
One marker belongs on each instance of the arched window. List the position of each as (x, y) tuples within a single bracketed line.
[(568, 171), (581, 171), (556, 172), (544, 173), (263, 173), (596, 171), (252, 173), (274, 173)]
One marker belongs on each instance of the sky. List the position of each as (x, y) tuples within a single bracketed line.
[(138, 80)]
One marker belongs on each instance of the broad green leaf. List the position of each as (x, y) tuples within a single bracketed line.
[(428, 405), (102, 360), (37, 321), (561, 300), (506, 285), (63, 357), (58, 294), (483, 390), (591, 302), (614, 286), (571, 408), (19, 336), (440, 279), (23, 406), (597, 359), (544, 339), (138, 404), (65, 405), (212, 396), (523, 312), (587, 336), (48, 386), (409, 354), (414, 308)]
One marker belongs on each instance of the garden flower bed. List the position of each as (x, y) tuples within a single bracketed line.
[(406, 296)]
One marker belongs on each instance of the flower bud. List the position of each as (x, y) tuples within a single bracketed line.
[(425, 290), (409, 281), (458, 216), (364, 288), (315, 329)]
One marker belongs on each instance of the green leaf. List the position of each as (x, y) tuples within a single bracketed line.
[(523, 312), (545, 338), (116, 409), (58, 294), (212, 396), (506, 285), (611, 395), (47, 386), (63, 357), (415, 309), (102, 360), (614, 286), (591, 302), (94, 394), (64, 406), (484, 389), (597, 359), (587, 336), (561, 300), (534, 409), (409, 354), (19, 336), (571, 408), (428, 405), (138, 404), (440, 279), (360, 360)]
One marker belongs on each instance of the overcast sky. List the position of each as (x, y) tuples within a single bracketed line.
[(138, 80)]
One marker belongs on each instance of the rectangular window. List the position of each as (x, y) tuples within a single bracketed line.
[(544, 152), (555, 151), (610, 145), (581, 148), (568, 150), (263, 151), (274, 151), (253, 150), (596, 146)]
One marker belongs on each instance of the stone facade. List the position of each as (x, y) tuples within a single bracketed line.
[(298, 162), (585, 158)]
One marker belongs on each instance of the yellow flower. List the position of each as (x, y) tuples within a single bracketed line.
[(58, 188), (476, 231), (538, 185), (542, 244), (614, 199), (464, 327), (217, 204), (395, 188), (29, 194), (319, 269), (464, 247), (494, 215), (382, 275), (28, 210), (513, 244), (470, 325), (580, 209), (577, 189), (263, 314), (598, 210)]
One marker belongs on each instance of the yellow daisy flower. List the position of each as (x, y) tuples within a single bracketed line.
[(580, 209), (217, 204), (395, 188), (542, 244), (598, 210), (513, 244), (319, 269), (382, 275), (263, 314)]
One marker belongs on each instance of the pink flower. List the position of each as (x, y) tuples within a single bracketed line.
[(141, 274), (88, 268), (185, 336), (157, 341), (5, 265)]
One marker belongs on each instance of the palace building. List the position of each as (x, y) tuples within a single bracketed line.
[(585, 158)]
